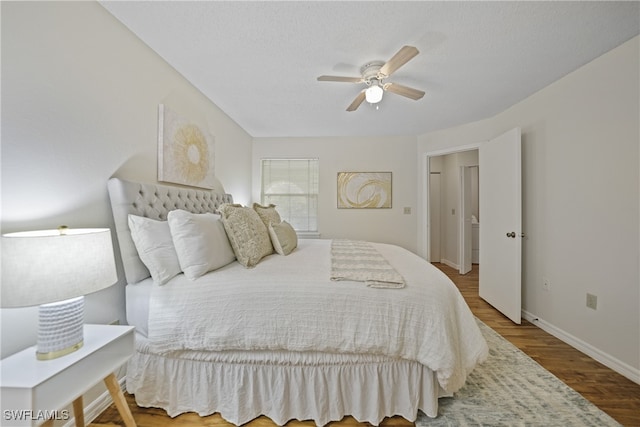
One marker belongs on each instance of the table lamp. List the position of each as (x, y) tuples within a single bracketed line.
[(55, 269)]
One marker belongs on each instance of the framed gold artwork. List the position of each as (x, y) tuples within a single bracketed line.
[(185, 151), (364, 190)]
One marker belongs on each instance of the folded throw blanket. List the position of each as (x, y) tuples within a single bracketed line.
[(361, 262)]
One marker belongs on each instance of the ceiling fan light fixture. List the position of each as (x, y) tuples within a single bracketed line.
[(373, 94)]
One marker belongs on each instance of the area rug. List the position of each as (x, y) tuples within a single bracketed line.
[(511, 389)]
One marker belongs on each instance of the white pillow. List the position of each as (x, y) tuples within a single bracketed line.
[(201, 243), (283, 237), (155, 247)]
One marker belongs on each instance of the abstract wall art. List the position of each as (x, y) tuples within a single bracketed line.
[(185, 151), (364, 190)]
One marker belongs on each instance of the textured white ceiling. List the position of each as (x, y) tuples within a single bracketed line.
[(258, 61)]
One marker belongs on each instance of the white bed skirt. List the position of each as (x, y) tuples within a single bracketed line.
[(283, 386)]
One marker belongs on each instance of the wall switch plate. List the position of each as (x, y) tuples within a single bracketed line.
[(592, 301)]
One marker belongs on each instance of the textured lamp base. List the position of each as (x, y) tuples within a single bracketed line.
[(60, 328)]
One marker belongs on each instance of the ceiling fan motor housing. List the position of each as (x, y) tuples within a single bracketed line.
[(371, 71)]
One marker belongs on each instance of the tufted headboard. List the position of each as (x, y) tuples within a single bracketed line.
[(152, 201)]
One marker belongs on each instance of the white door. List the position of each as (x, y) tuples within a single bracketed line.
[(434, 216), (464, 245), (501, 231)]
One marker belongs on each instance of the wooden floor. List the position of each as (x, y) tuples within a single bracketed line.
[(611, 392)]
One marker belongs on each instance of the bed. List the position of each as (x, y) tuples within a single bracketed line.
[(281, 336)]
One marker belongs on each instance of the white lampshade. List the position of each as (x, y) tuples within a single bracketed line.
[(55, 269), (373, 94), (46, 266)]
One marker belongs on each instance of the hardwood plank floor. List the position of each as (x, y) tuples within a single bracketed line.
[(610, 391), (613, 393)]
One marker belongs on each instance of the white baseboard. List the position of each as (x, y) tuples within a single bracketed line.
[(606, 359), (93, 409), (450, 264)]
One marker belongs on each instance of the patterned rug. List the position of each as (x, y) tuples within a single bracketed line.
[(511, 389)]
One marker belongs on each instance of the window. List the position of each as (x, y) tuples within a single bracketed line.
[(292, 185)]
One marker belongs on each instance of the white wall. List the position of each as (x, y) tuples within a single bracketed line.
[(364, 154), (581, 208), (80, 95)]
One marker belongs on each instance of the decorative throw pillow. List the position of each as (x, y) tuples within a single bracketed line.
[(247, 233), (155, 247), (200, 241), (267, 214), (283, 237)]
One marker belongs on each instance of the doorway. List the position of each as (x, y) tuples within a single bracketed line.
[(452, 217), (469, 225)]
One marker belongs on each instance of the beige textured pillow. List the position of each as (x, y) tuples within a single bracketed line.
[(267, 214), (283, 237), (247, 233)]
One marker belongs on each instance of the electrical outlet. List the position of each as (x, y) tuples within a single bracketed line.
[(407, 210), (546, 285), (592, 301)]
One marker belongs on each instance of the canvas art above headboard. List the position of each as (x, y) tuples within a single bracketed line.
[(152, 201)]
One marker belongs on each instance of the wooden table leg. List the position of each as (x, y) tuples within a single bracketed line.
[(78, 412), (118, 398)]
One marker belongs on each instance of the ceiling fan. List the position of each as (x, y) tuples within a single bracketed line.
[(373, 75)]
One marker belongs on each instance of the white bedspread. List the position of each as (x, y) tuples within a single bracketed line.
[(289, 303)]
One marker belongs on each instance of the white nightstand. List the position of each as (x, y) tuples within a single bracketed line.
[(34, 390)]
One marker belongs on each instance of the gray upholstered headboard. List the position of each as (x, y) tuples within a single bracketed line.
[(152, 201)]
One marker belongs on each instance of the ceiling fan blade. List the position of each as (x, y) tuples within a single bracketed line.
[(403, 56), (356, 102), (340, 79), (409, 92)]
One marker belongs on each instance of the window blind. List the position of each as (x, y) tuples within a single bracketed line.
[(292, 185)]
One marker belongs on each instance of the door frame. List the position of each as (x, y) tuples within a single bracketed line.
[(435, 244), (464, 226), (426, 171)]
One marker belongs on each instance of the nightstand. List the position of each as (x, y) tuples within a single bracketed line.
[(34, 392)]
